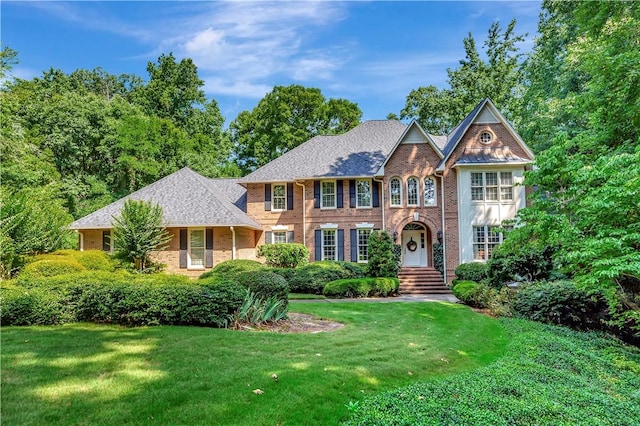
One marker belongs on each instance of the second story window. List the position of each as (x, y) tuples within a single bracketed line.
[(279, 197), (491, 186), (363, 193), (429, 191), (412, 191), (395, 192), (328, 194)]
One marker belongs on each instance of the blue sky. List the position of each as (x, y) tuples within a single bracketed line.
[(369, 52)]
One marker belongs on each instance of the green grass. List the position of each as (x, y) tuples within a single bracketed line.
[(548, 376), (90, 374)]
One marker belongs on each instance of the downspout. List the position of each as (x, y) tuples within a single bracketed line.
[(444, 234), (233, 242), (81, 241), (384, 224), (304, 212)]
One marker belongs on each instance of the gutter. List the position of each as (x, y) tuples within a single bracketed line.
[(233, 242), (444, 235)]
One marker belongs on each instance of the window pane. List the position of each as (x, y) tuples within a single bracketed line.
[(412, 192), (478, 243), (396, 192), (476, 179), (429, 192), (493, 239), (492, 193), (279, 237), (196, 247), (329, 245), (328, 194), (506, 193), (363, 244), (506, 178), (363, 191), (476, 194), (492, 179), (279, 199)]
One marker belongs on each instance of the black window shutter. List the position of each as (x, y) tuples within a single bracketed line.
[(106, 241), (354, 245), (316, 194), (376, 193), (318, 245), (208, 252), (352, 193), (340, 244), (339, 194), (183, 248), (268, 237), (267, 197), (290, 196), (289, 236)]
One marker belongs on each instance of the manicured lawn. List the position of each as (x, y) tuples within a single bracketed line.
[(90, 374), (548, 376)]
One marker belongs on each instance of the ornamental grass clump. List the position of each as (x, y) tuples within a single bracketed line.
[(257, 311)]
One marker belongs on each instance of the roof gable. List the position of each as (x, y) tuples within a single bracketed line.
[(484, 113), (413, 134), (187, 199)]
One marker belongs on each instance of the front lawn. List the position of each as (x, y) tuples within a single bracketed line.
[(92, 374)]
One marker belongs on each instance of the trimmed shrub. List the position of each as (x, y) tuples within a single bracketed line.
[(264, 283), (285, 255), (50, 268), (362, 287), (93, 260), (383, 259), (464, 290), (313, 277), (563, 303), (230, 267), (527, 263), (472, 271), (21, 306)]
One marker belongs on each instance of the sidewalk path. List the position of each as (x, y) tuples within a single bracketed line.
[(407, 298)]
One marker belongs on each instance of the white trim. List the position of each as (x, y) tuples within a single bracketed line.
[(364, 225), (418, 192), (335, 195), (335, 239), (273, 187), (81, 241), (370, 194), (401, 185), (273, 236), (280, 228), (329, 226)]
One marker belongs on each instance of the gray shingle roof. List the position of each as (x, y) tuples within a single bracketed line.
[(457, 133), (490, 155), (234, 192), (187, 199), (359, 152)]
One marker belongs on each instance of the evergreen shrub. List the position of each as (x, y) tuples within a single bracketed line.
[(472, 271), (285, 255), (362, 287)]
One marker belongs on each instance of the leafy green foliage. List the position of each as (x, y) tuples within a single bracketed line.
[(498, 77), (263, 283), (562, 303), (362, 287), (438, 257), (138, 232), (472, 271), (285, 255), (229, 268), (549, 375), (515, 262), (286, 117), (313, 277), (51, 267), (119, 299), (256, 311), (383, 258)]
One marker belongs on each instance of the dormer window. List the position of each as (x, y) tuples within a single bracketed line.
[(486, 138)]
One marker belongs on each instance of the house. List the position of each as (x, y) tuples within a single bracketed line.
[(330, 192)]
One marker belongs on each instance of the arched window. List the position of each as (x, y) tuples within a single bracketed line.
[(395, 192), (429, 191), (412, 191)]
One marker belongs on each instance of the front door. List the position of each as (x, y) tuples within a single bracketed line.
[(414, 252)]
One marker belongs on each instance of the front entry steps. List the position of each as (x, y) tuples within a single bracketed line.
[(422, 280)]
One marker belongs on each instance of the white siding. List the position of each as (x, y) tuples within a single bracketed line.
[(472, 213), (413, 136), (486, 116)]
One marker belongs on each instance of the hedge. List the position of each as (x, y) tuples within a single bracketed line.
[(231, 267), (50, 267), (119, 299), (472, 271), (313, 277), (284, 255), (362, 287)]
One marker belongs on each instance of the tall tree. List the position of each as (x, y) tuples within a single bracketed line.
[(286, 117), (584, 98), (498, 77)]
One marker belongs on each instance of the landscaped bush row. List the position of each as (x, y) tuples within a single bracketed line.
[(313, 277), (548, 376), (362, 287), (284, 255), (67, 262)]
